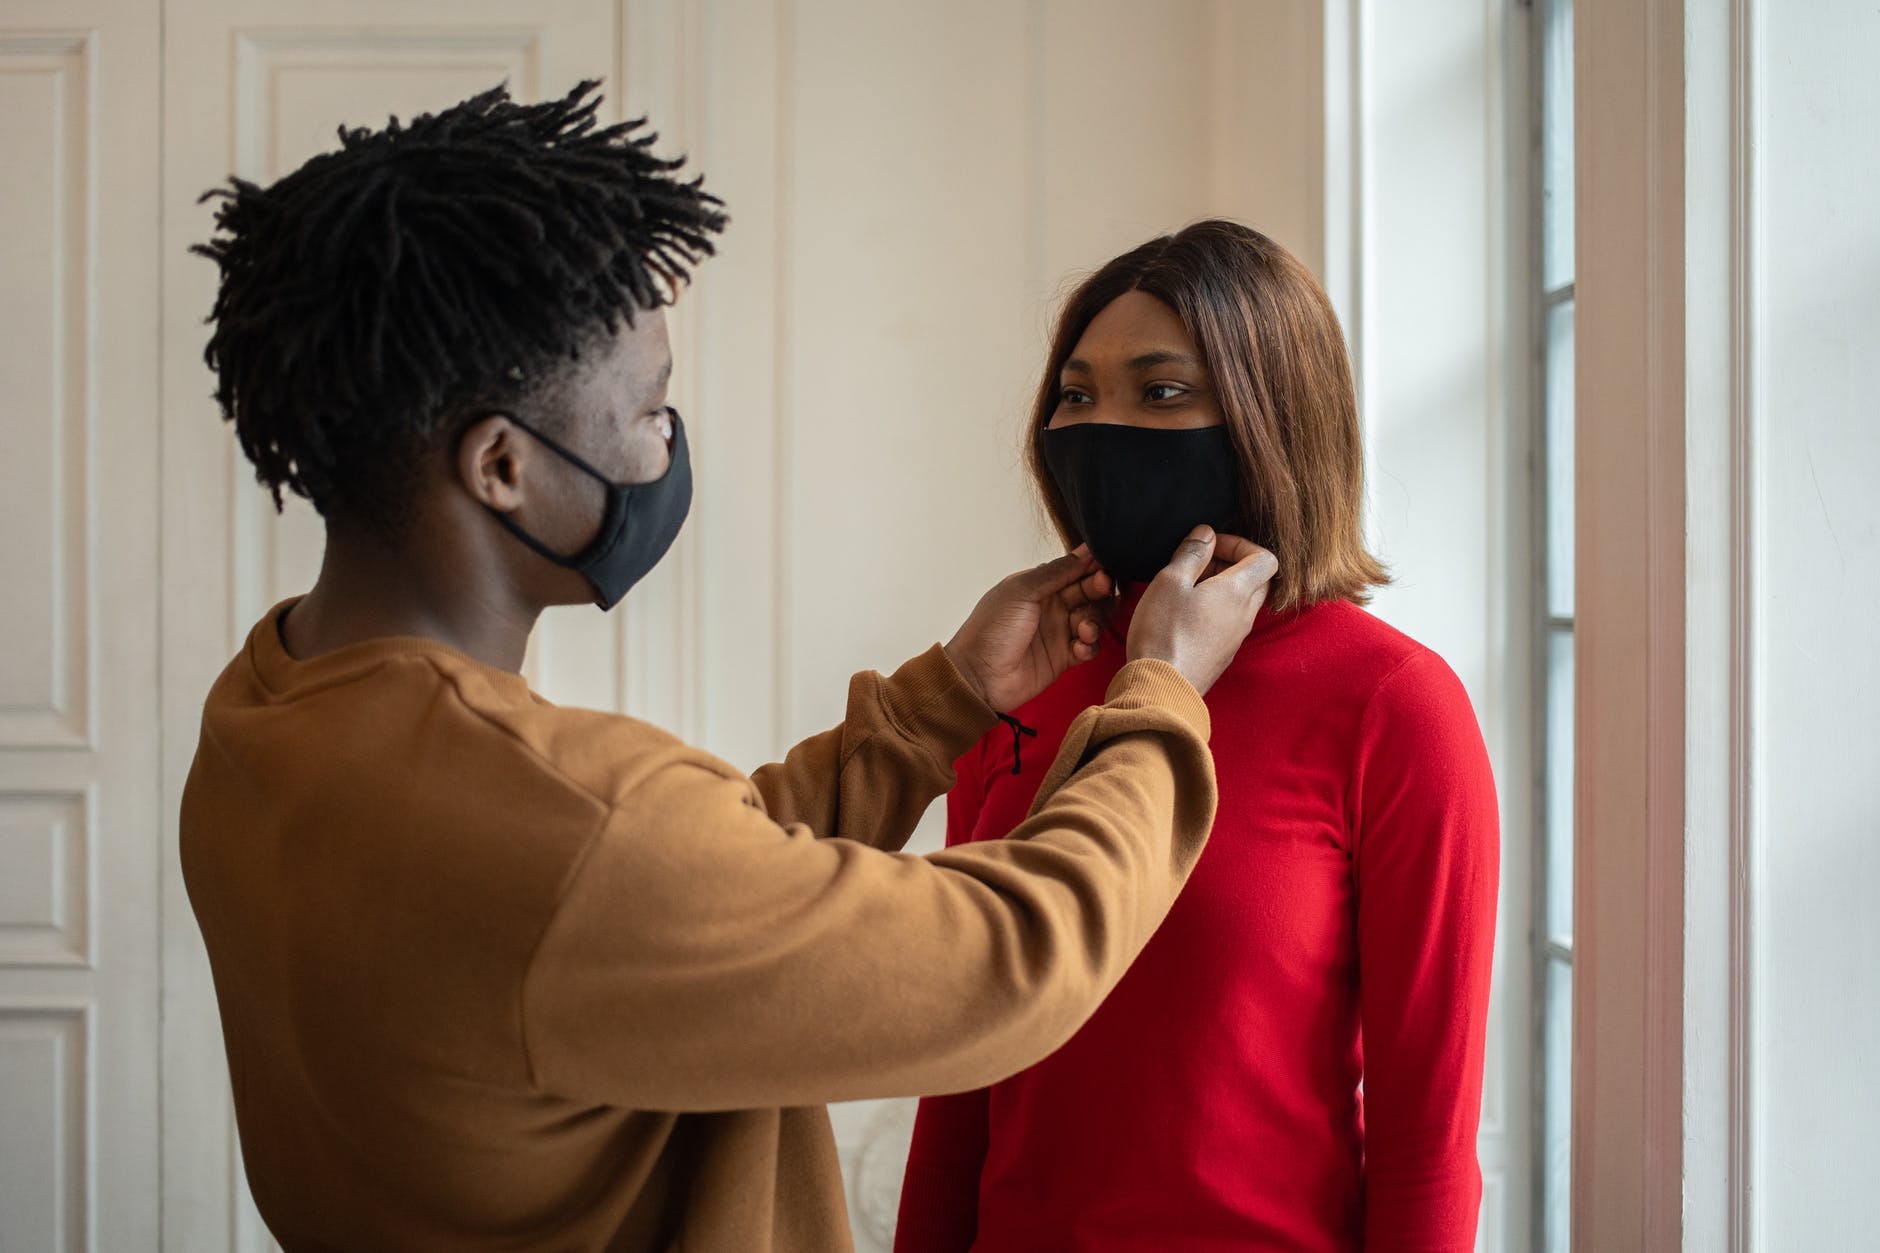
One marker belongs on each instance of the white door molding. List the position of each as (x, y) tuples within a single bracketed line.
[(79, 1014), (1723, 412)]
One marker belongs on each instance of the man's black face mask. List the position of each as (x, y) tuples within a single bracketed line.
[(639, 521), (1134, 493)]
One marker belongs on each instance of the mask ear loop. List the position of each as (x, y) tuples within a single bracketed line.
[(566, 561), (559, 449), (1019, 731)]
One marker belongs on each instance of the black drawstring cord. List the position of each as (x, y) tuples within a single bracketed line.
[(1019, 731)]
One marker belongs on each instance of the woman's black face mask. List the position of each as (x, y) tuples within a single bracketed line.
[(1134, 493)]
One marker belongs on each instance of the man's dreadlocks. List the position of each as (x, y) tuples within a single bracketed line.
[(380, 288)]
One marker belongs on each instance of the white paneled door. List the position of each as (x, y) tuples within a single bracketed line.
[(79, 825)]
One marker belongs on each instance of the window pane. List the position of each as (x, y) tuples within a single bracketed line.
[(1556, 1110), (1559, 453), (1558, 835), (1557, 145)]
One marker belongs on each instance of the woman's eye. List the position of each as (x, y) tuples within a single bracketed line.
[(1073, 396), (1163, 391)]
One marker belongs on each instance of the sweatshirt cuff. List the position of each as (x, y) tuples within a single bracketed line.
[(1147, 682), (929, 701)]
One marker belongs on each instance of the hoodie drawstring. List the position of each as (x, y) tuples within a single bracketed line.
[(1019, 731)]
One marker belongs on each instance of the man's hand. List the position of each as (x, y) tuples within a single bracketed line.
[(1032, 627), (1196, 621)]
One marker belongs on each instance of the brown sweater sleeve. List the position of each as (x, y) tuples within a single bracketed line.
[(705, 958), (871, 778)]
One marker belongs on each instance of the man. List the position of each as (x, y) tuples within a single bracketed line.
[(496, 974)]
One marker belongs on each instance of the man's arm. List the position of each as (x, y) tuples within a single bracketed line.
[(705, 958), (871, 778)]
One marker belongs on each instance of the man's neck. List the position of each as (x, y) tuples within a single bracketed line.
[(369, 590)]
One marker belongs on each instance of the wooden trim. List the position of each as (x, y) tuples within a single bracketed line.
[(1630, 452)]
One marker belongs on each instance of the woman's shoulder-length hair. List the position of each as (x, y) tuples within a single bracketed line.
[(1276, 356)]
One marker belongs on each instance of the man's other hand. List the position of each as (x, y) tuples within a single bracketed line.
[(1032, 627)]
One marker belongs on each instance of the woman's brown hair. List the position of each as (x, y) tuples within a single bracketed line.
[(1273, 348)]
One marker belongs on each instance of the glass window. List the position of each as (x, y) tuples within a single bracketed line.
[(1556, 1161), (1557, 770), (1558, 420), (1556, 109), (1554, 635)]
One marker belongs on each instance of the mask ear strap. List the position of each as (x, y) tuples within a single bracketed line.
[(566, 454), (541, 549), (511, 525)]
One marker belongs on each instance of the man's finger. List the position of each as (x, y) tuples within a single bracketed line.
[(1232, 549), (1254, 570), (1191, 558), (1092, 588), (1087, 621), (1053, 576)]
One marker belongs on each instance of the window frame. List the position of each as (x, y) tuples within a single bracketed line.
[(1548, 952)]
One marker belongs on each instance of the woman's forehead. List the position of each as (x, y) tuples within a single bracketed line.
[(1136, 330)]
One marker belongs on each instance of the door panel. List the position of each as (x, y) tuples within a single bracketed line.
[(78, 660)]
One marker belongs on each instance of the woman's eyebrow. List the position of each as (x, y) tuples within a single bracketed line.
[(1149, 360), (1144, 361)]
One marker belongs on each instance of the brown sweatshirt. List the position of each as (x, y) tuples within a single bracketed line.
[(497, 974)]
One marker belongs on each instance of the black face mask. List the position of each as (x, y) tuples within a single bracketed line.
[(638, 523), (1135, 492)]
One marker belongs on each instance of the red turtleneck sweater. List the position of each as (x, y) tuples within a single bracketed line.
[(1295, 1061)]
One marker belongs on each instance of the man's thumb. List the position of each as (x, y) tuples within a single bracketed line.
[(1191, 558)]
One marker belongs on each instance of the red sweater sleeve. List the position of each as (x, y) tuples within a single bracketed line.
[(940, 1192), (1428, 862)]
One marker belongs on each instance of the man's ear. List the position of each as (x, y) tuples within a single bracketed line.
[(490, 454)]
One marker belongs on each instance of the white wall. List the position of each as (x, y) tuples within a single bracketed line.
[(1815, 606)]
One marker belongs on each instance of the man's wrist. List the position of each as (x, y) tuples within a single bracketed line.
[(928, 700), (967, 672)]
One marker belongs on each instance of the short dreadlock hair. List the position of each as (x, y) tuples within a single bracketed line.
[(377, 291)]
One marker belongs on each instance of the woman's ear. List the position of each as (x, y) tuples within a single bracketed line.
[(489, 462)]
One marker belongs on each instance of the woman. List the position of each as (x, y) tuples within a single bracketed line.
[(1295, 1061)]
